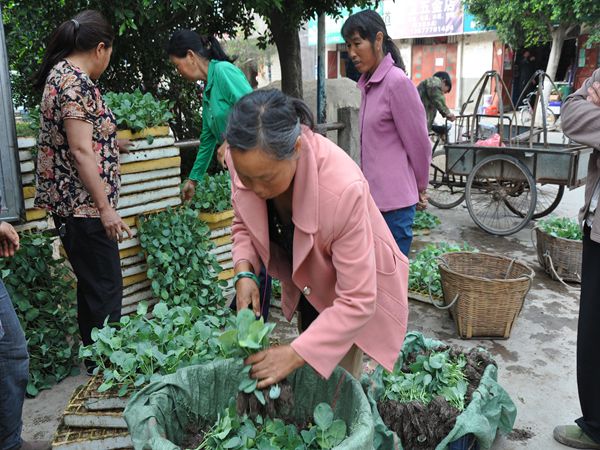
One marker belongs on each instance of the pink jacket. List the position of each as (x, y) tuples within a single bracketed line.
[(345, 259)]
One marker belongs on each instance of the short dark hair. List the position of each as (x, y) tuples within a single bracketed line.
[(206, 46), (81, 33), (445, 77), (270, 120)]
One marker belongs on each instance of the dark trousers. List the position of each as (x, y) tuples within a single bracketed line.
[(588, 337), (14, 373), (97, 266)]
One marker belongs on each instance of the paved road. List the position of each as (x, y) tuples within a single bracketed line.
[(536, 365)]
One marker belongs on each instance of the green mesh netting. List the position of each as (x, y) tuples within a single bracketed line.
[(490, 409), (159, 415)]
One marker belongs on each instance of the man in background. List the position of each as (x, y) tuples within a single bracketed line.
[(432, 91)]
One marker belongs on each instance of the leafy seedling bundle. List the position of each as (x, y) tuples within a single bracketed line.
[(424, 273), (561, 227)]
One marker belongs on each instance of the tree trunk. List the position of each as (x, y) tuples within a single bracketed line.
[(287, 42), (558, 39)]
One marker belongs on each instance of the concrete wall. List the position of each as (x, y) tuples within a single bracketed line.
[(475, 54), (405, 48)]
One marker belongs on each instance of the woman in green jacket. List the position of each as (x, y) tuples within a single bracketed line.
[(201, 58)]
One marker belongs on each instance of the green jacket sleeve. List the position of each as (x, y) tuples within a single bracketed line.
[(231, 84), (228, 85), (437, 97), (205, 153)]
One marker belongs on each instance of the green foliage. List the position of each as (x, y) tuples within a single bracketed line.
[(531, 22), (248, 337), (29, 124), (241, 433), (561, 227), (424, 220), (246, 50), (138, 350), (143, 29), (43, 294), (180, 265), (424, 274), (327, 432), (594, 37), (213, 193), (276, 290), (432, 374), (24, 129), (136, 111)]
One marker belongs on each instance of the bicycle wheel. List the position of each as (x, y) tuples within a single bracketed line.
[(445, 190), (525, 116), (490, 183), (548, 198)]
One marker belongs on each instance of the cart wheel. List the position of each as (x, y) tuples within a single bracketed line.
[(445, 191), (548, 198), (491, 182)]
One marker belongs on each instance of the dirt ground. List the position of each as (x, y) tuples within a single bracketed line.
[(536, 364)]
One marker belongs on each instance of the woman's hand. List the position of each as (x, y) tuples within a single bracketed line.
[(114, 225), (188, 190), (124, 145), (9, 240), (221, 152), (273, 364), (423, 200), (247, 295)]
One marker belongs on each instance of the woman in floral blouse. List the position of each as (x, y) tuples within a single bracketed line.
[(78, 178)]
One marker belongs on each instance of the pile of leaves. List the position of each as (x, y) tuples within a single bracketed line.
[(561, 227), (135, 111), (428, 389), (180, 265), (243, 433), (43, 294), (139, 349), (424, 220), (213, 193), (424, 273)]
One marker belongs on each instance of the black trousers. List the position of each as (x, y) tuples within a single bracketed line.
[(588, 338), (97, 266)]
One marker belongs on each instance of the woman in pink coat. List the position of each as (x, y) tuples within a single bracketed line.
[(304, 211)]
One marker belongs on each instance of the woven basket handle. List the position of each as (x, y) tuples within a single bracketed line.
[(548, 258), (433, 302), (533, 239)]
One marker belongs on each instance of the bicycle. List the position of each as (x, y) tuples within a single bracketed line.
[(525, 112)]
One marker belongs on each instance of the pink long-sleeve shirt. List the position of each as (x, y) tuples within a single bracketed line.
[(395, 146)]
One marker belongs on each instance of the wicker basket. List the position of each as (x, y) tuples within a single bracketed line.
[(560, 258), (484, 292)]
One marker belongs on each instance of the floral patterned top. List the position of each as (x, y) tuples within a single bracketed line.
[(71, 94)]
